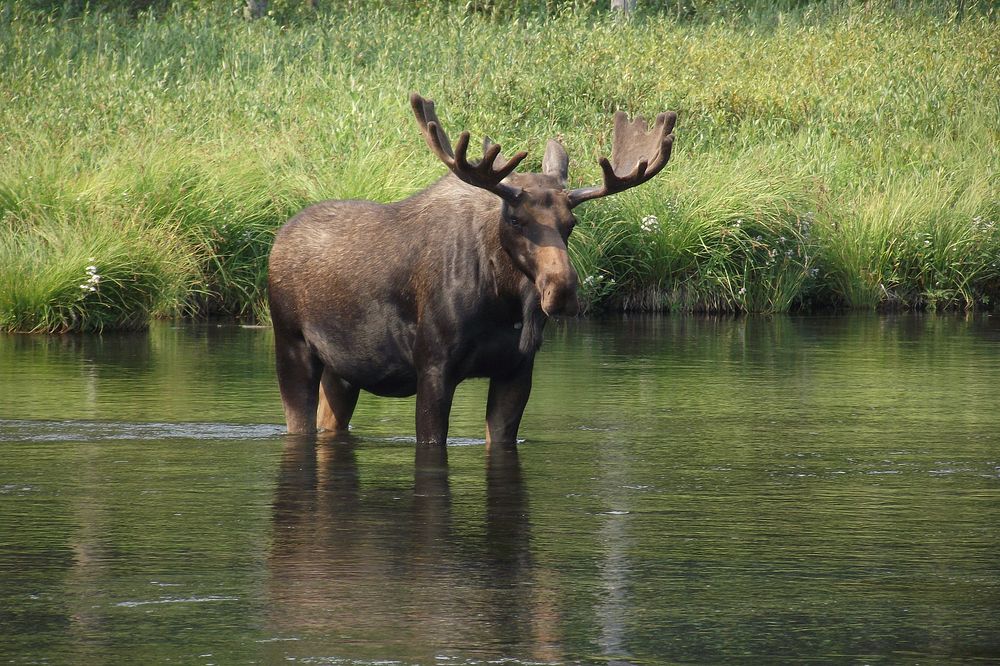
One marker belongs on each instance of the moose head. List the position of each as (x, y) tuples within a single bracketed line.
[(537, 211)]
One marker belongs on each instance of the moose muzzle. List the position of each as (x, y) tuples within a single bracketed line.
[(558, 292)]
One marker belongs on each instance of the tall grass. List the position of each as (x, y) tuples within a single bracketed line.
[(831, 154), (66, 274)]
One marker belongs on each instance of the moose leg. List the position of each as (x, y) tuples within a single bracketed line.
[(299, 374), (435, 391), (337, 400), (505, 405)]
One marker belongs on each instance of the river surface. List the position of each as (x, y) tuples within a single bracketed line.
[(690, 490)]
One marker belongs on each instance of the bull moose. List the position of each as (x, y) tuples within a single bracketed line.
[(456, 281)]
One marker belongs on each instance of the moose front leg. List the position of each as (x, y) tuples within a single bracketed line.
[(505, 405), (435, 391)]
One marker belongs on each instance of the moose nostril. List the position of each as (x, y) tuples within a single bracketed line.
[(558, 298)]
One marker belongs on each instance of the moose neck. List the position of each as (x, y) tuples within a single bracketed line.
[(470, 219), (512, 286)]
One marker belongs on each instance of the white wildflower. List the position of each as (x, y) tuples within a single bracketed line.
[(93, 279), (650, 224)]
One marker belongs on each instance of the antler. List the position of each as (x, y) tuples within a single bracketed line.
[(639, 153), (487, 173)]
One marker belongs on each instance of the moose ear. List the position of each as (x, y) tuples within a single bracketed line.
[(556, 162)]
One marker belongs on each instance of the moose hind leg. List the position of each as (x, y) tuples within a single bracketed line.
[(337, 400), (299, 372)]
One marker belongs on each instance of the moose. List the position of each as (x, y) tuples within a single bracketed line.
[(456, 281)]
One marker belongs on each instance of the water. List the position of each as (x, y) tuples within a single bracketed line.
[(689, 490)]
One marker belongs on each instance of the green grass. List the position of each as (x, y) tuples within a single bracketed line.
[(59, 272), (830, 154)]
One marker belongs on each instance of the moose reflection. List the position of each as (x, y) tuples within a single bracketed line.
[(397, 564)]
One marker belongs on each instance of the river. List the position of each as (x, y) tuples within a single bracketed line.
[(693, 490)]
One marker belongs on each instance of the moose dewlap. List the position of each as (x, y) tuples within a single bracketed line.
[(456, 281)]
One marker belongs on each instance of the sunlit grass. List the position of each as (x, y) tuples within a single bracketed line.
[(59, 275), (837, 154)]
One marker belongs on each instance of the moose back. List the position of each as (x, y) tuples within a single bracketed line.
[(456, 281)]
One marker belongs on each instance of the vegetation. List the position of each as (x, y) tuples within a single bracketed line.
[(827, 154)]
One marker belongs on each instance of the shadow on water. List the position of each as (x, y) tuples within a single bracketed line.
[(386, 565)]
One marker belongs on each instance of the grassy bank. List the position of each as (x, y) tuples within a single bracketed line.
[(840, 155)]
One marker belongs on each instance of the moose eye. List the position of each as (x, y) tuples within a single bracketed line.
[(514, 222)]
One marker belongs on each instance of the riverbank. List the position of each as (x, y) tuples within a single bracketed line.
[(833, 156)]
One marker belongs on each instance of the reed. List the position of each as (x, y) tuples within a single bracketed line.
[(828, 154)]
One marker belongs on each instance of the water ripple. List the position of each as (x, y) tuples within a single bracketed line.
[(88, 431), (175, 600)]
